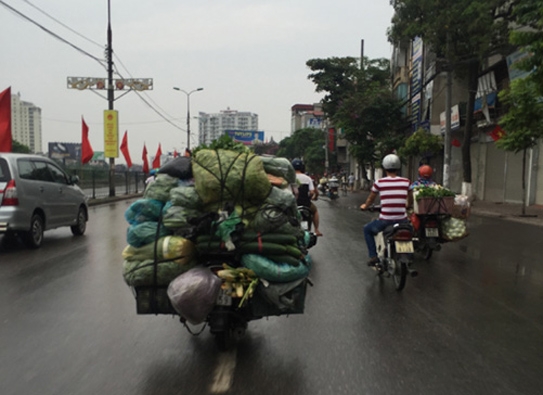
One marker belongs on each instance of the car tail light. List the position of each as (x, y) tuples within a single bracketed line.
[(402, 234), (431, 224), (10, 195)]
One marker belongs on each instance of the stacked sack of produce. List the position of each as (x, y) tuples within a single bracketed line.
[(455, 227), (218, 201)]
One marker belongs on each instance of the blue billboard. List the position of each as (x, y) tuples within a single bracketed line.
[(246, 137)]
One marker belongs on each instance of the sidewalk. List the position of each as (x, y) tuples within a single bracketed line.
[(508, 211), (107, 199)]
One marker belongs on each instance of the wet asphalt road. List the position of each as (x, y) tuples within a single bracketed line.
[(471, 323)]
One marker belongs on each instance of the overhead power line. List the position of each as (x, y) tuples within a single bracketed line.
[(102, 62), (63, 24)]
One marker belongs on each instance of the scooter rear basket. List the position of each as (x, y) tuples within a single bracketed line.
[(264, 303), (153, 300)]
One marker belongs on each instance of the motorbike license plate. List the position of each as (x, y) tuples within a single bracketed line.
[(404, 247), (223, 299), (432, 232)]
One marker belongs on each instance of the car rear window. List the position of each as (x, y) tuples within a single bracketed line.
[(5, 176)]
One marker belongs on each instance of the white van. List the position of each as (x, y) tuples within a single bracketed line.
[(37, 195)]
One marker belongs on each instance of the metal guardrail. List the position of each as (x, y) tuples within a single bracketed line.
[(95, 182)]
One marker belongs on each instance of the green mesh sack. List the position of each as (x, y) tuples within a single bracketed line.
[(280, 167), (186, 197), (161, 187), (222, 175), (278, 213), (172, 248), (142, 273), (177, 217)]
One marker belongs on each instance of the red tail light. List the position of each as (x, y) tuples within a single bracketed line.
[(431, 224), (404, 235), (10, 195)]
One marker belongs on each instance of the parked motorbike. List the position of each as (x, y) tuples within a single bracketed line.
[(427, 233), (395, 250)]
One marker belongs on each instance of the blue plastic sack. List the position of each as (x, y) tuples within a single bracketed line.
[(141, 234), (143, 210)]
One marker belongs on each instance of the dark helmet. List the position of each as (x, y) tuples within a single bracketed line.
[(298, 164), (425, 171)]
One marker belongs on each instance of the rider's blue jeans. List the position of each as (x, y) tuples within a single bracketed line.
[(370, 231)]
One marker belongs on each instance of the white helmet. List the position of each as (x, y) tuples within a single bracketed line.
[(391, 162)]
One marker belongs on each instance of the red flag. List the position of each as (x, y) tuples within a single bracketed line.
[(175, 153), (145, 161), (86, 149), (156, 161), (5, 121), (331, 139), (497, 133), (124, 149)]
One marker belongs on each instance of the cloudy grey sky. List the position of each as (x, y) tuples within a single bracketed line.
[(247, 55)]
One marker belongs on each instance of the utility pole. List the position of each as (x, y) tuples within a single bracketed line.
[(447, 139), (111, 125), (110, 94), (326, 160)]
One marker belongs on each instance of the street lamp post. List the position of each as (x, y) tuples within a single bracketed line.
[(188, 110)]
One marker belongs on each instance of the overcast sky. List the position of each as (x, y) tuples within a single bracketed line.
[(247, 55)]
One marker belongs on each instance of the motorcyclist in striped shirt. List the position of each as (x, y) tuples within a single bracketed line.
[(395, 196)]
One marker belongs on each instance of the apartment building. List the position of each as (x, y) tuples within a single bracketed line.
[(420, 82), (26, 123), (212, 126)]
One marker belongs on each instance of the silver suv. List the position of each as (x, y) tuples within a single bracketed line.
[(37, 195)]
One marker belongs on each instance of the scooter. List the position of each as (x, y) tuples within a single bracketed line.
[(427, 234), (228, 321), (395, 251), (333, 188)]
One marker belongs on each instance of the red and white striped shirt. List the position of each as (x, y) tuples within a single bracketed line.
[(393, 193)]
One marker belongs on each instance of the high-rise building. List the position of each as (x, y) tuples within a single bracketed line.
[(26, 123), (212, 126)]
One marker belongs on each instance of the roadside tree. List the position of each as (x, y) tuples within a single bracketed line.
[(462, 33)]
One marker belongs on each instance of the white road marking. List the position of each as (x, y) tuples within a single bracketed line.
[(224, 372)]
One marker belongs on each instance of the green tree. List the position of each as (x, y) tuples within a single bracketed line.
[(19, 148), (306, 144), (522, 123), (529, 14), (359, 101), (462, 33)]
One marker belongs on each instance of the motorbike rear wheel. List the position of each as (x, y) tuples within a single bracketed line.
[(228, 338), (426, 252), (399, 275)]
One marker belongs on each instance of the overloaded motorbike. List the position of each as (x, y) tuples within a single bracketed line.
[(218, 240), (428, 236), (241, 296), (330, 189), (395, 250), (333, 188)]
